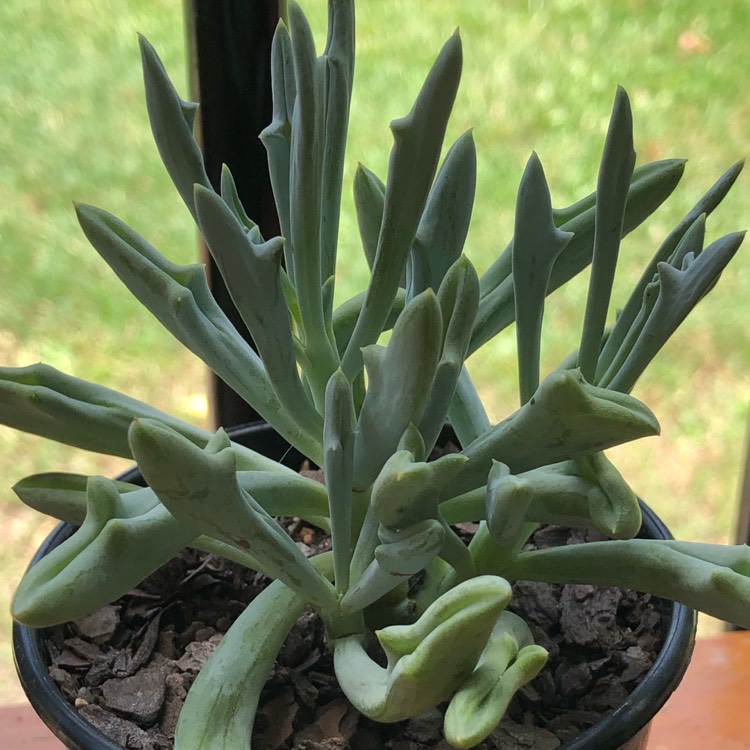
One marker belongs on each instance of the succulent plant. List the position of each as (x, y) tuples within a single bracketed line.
[(369, 413)]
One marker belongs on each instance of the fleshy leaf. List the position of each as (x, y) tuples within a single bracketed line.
[(508, 662), (680, 289), (180, 298), (345, 317), (445, 221), (44, 401), (612, 189), (712, 578), (60, 495), (650, 187), (406, 491), (402, 554), (201, 488), (277, 136), (458, 297), (220, 707), (306, 199), (537, 243), (427, 661), (338, 462), (418, 138), (172, 125), (705, 205), (566, 417), (118, 545), (252, 274), (587, 492), (369, 200), (401, 377)]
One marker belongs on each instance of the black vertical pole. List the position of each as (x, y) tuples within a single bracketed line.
[(229, 44)]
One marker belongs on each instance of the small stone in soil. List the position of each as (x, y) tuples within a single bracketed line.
[(197, 654), (426, 728), (174, 697), (138, 697), (122, 731), (333, 744), (512, 736), (100, 626)]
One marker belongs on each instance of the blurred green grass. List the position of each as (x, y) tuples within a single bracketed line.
[(537, 75)]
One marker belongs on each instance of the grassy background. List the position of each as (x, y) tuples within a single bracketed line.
[(537, 74)]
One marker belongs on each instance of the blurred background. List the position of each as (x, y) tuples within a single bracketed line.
[(538, 74)]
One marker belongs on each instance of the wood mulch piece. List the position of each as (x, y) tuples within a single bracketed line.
[(128, 667)]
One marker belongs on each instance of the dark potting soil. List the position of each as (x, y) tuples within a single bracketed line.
[(128, 667)]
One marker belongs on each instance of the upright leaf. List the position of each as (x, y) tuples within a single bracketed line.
[(651, 185), (615, 175), (418, 138), (252, 274), (537, 243), (338, 463), (705, 205), (401, 377), (172, 125), (679, 291), (445, 222)]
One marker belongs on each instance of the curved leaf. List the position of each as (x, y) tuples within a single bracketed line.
[(118, 545)]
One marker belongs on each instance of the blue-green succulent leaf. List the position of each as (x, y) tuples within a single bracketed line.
[(401, 555), (407, 491), (412, 441), (466, 413), (252, 273), (44, 401), (566, 418), (418, 138), (458, 297), (508, 662), (172, 125), (306, 201), (400, 382), (445, 222), (180, 298), (705, 205), (285, 494), (201, 488), (121, 541), (60, 495), (369, 200), (650, 187), (339, 78), (231, 197), (427, 661), (345, 317), (220, 707), (277, 136), (680, 290), (587, 492), (615, 173), (537, 243), (338, 462), (712, 578)]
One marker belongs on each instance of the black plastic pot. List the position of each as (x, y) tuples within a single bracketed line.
[(625, 729)]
